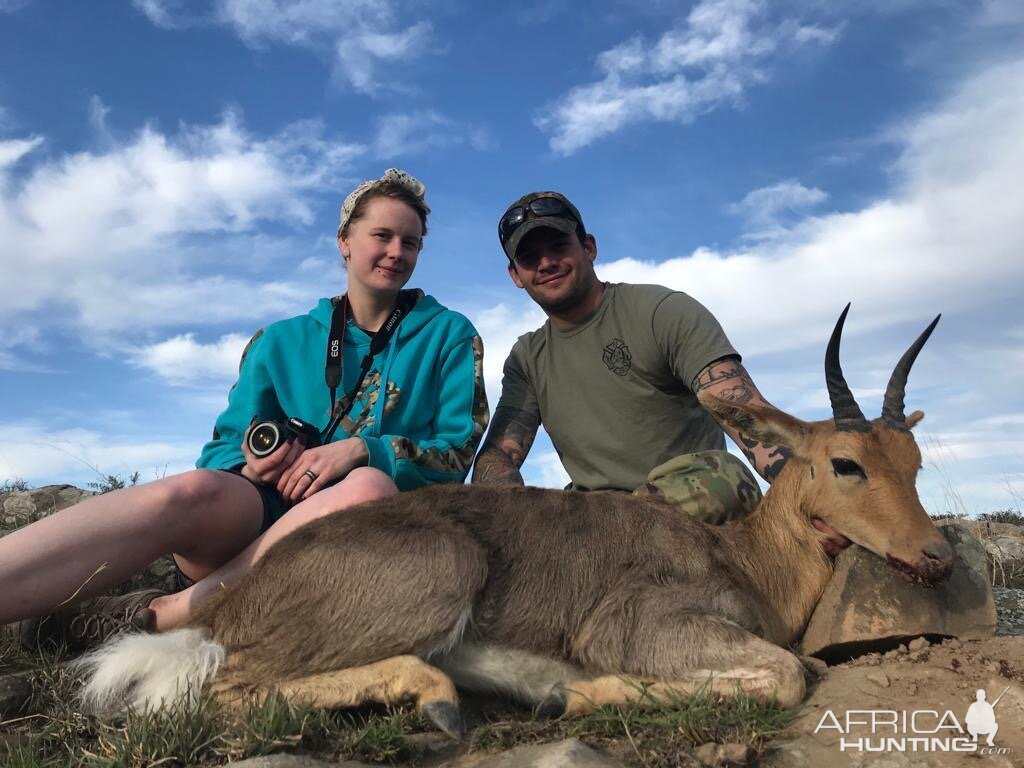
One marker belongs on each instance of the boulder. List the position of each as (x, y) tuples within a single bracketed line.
[(869, 606), (294, 761), (19, 508), (570, 753)]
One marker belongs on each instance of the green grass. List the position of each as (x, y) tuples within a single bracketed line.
[(661, 734)]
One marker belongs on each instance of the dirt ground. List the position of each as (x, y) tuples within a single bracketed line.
[(930, 681)]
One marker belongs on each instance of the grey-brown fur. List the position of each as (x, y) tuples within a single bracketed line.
[(607, 581)]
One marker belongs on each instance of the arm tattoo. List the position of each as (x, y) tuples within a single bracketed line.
[(740, 387), (729, 380), (508, 441), (776, 457)]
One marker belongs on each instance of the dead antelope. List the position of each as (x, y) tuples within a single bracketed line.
[(562, 600)]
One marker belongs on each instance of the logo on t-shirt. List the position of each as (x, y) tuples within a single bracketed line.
[(616, 356)]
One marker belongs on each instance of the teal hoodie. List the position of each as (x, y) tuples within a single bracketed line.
[(424, 430)]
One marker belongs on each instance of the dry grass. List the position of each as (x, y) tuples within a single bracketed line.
[(58, 735)]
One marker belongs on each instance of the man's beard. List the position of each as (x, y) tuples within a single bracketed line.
[(558, 304)]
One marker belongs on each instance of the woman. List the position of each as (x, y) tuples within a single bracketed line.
[(414, 416)]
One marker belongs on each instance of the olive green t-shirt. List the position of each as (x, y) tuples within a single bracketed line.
[(614, 391)]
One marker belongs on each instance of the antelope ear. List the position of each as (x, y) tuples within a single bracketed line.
[(914, 418), (762, 423)]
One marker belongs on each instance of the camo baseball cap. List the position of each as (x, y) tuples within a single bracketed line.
[(564, 218)]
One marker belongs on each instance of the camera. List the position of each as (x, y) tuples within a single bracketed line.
[(266, 436)]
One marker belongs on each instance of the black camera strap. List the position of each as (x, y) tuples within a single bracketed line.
[(336, 343)]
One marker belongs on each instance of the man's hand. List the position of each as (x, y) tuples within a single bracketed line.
[(508, 441), (318, 467), (729, 380)]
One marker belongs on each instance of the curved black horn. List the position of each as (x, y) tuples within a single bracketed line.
[(892, 406), (845, 411)]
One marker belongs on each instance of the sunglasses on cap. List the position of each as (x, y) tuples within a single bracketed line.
[(539, 207)]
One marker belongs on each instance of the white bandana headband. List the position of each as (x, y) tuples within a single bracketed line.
[(392, 176)]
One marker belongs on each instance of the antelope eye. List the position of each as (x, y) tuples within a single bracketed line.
[(847, 467)]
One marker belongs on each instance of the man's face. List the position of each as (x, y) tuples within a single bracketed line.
[(555, 269)]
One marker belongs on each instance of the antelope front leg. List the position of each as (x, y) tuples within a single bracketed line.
[(388, 682), (771, 681), (655, 640)]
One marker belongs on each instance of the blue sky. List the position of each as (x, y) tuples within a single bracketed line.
[(170, 174)]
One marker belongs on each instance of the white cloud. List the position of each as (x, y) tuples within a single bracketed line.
[(183, 360), (708, 60), (12, 150), (98, 112), (949, 237), (107, 233), (1002, 12), (360, 53), (34, 453), (767, 209), (166, 14), (358, 36), (544, 469), (413, 133), (499, 326)]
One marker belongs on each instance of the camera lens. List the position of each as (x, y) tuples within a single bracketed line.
[(264, 439)]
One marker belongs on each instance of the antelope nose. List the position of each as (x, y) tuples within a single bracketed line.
[(939, 550)]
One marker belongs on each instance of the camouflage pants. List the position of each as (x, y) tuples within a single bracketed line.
[(711, 486)]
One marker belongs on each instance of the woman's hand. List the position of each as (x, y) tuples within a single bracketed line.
[(268, 469), (317, 467)]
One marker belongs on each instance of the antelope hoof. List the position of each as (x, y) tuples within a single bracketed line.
[(446, 716), (554, 704)]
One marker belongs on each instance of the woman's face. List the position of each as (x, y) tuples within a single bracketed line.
[(382, 246)]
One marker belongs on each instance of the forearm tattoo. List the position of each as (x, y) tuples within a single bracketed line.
[(508, 441), (729, 380), (769, 460)]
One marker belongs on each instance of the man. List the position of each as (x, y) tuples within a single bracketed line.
[(613, 376)]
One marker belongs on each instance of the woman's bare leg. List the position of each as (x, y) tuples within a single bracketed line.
[(361, 484), (82, 551)]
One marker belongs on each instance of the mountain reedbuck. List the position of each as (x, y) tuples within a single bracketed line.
[(561, 600)]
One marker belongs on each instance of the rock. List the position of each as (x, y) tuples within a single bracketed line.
[(1006, 553), (713, 755), (878, 678), (20, 508), (294, 761), (953, 643), (816, 667), (15, 693), (570, 753), (869, 606), (917, 644)]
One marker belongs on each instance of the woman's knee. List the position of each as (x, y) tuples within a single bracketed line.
[(196, 488), (361, 485), (366, 484), (187, 499)]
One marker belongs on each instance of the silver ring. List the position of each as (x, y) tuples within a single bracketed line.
[(310, 474)]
